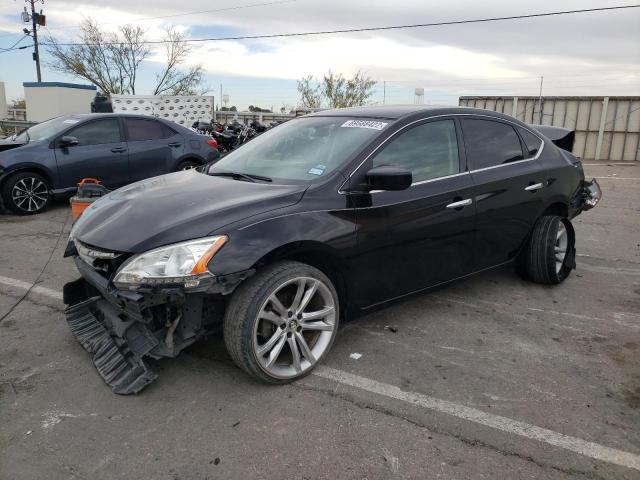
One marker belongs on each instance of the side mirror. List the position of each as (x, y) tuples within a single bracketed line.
[(68, 141), (389, 177)]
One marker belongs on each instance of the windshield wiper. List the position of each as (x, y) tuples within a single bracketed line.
[(238, 175)]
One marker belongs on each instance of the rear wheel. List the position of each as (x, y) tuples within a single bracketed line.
[(26, 193), (187, 165), (280, 323), (550, 254)]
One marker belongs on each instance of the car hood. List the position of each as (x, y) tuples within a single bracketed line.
[(9, 143), (176, 207)]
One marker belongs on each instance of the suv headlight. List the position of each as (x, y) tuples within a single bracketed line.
[(182, 263)]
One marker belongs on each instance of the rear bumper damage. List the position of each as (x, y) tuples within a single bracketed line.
[(122, 328), (587, 197)]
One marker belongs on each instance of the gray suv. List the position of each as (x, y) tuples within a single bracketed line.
[(50, 158)]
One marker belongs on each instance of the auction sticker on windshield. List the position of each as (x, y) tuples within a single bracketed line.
[(364, 124)]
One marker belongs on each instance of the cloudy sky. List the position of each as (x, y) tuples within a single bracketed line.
[(581, 54)]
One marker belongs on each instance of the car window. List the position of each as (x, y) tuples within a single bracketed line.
[(97, 132), (429, 151), (532, 142), (490, 143), (141, 129)]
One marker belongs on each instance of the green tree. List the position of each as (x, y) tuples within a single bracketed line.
[(335, 90)]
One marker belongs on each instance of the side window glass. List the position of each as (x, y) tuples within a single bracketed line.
[(140, 129), (97, 132), (490, 143), (532, 142), (429, 150)]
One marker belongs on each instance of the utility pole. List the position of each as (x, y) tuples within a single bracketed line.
[(540, 101), (35, 19), (36, 54)]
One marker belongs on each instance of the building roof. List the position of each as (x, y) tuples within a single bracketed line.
[(59, 84)]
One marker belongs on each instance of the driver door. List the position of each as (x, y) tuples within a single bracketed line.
[(412, 239), (100, 153)]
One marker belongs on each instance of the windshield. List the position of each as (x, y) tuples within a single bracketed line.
[(301, 150), (46, 130)]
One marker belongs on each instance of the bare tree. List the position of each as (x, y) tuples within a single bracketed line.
[(336, 90), (108, 60), (310, 93), (171, 80), (111, 61)]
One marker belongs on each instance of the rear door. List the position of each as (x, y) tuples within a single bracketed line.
[(415, 238), (154, 148), (508, 181), (100, 153)]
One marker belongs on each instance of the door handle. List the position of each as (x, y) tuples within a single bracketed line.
[(175, 144), (118, 150), (534, 188), (460, 204)]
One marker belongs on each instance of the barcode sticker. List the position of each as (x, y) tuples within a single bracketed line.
[(364, 124)]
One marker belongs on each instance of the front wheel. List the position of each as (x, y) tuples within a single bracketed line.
[(281, 323), (549, 256), (26, 193)]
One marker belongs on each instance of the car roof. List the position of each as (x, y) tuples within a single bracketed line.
[(395, 112)]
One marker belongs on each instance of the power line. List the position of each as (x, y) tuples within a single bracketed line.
[(14, 45), (184, 14), (217, 10), (372, 29)]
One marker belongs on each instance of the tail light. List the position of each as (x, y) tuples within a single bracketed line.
[(212, 143)]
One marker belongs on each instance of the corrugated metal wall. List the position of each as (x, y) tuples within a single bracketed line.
[(607, 128)]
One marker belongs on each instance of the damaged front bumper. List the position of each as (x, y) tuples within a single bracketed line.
[(121, 328)]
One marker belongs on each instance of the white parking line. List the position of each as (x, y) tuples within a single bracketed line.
[(12, 282), (577, 445), (574, 444)]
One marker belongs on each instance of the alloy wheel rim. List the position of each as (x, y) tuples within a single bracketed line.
[(189, 167), (294, 327), (560, 248), (30, 194)]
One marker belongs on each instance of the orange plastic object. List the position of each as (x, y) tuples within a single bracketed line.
[(77, 207), (83, 199)]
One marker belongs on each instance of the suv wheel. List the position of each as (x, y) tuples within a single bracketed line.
[(550, 254), (280, 323), (26, 193)]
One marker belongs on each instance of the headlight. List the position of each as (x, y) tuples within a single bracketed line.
[(182, 263)]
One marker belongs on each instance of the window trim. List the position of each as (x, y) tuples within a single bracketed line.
[(344, 192)]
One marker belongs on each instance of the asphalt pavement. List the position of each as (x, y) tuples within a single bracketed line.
[(492, 377)]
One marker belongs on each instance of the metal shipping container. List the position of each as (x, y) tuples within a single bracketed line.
[(607, 128)]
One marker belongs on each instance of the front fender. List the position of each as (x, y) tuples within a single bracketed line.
[(331, 232)]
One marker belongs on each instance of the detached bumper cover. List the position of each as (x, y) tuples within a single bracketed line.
[(120, 366)]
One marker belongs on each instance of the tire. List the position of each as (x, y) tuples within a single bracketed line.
[(261, 340), (549, 255), (26, 193), (187, 165)]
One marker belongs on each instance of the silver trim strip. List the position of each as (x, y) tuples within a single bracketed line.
[(525, 127)]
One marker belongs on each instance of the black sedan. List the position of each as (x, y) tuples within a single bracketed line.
[(320, 219), (49, 159)]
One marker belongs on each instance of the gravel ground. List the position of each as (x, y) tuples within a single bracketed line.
[(455, 392)]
